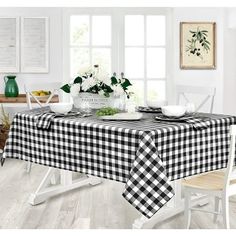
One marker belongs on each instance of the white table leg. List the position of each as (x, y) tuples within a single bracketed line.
[(66, 177), (177, 187), (44, 191), (28, 168)]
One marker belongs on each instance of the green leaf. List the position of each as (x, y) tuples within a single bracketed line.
[(207, 46), (93, 89), (66, 88), (106, 94), (78, 80), (193, 32), (126, 83), (113, 80), (199, 35), (107, 89)]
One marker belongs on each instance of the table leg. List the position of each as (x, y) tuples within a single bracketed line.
[(44, 191)]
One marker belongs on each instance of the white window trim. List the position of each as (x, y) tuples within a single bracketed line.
[(117, 39), (90, 45)]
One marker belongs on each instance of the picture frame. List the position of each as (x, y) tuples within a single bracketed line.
[(9, 45), (197, 45), (34, 44)]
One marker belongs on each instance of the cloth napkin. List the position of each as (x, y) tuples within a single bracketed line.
[(197, 123), (148, 109), (44, 120)]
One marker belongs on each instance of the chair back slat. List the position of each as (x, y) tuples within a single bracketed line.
[(182, 90), (53, 87)]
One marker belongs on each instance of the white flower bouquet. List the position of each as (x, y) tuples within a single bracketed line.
[(97, 82)]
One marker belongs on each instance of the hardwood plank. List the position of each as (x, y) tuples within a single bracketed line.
[(96, 207)]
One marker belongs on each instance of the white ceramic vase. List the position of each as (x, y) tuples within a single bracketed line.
[(92, 101)]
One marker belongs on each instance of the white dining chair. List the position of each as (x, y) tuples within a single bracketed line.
[(53, 87), (29, 87), (208, 94), (219, 184)]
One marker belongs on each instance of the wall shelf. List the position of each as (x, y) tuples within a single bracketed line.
[(22, 99)]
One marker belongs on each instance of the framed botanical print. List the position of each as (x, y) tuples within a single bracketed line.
[(197, 45)]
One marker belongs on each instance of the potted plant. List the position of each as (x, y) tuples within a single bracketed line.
[(4, 127), (97, 88)]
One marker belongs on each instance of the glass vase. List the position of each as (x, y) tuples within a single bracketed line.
[(119, 102)]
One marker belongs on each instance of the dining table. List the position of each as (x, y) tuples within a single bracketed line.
[(147, 155)]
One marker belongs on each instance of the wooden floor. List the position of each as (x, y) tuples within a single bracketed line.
[(97, 207)]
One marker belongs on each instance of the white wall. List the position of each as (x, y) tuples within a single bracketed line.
[(230, 62), (55, 45), (214, 77), (223, 77)]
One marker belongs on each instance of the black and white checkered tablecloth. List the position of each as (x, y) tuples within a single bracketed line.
[(146, 154)]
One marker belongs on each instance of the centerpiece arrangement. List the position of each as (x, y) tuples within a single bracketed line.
[(95, 89)]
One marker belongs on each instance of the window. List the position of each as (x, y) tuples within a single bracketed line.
[(145, 55), (135, 42), (90, 43)]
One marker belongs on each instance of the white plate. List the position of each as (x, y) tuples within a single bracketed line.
[(172, 118), (123, 116), (154, 107)]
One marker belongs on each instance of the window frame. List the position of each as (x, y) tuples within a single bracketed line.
[(118, 40)]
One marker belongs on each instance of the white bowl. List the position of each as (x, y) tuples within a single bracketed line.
[(156, 104), (174, 110), (61, 107)]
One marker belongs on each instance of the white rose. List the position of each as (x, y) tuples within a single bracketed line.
[(88, 83), (85, 70), (118, 90), (74, 90), (104, 77)]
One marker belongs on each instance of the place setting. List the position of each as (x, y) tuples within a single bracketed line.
[(57, 110), (152, 106), (182, 114)]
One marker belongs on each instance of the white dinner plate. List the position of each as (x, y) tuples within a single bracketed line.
[(172, 118), (123, 116)]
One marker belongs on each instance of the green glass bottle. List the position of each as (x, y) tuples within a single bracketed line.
[(11, 87)]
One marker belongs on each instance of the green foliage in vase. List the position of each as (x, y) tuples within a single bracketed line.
[(95, 82), (198, 43)]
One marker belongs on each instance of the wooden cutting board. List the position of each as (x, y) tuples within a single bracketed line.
[(22, 99)]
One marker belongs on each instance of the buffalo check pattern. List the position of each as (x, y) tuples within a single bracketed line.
[(146, 155)]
